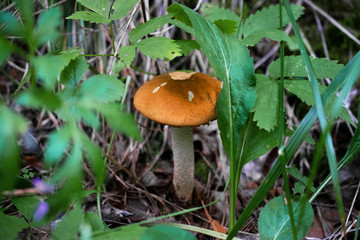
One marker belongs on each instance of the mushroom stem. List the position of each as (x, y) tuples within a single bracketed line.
[(183, 150)]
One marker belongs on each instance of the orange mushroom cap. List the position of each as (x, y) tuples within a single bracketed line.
[(179, 99)]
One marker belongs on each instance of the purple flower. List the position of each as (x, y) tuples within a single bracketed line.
[(42, 187), (41, 210)]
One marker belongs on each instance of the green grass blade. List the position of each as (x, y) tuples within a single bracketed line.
[(295, 141), (330, 151)]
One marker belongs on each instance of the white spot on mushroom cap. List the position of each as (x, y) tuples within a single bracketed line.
[(156, 89), (163, 84), (190, 96)]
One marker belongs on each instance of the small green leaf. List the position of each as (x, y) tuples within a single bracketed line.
[(71, 75), (159, 47), (294, 67), (121, 8), (166, 232), (127, 54), (101, 7), (48, 67), (6, 49), (58, 142), (39, 98), (10, 226), (227, 26), (47, 26), (69, 226), (93, 17), (274, 220), (10, 25), (102, 88), (273, 34), (26, 205), (293, 171), (187, 46), (148, 27), (266, 107), (299, 188), (268, 18), (214, 13), (95, 222)]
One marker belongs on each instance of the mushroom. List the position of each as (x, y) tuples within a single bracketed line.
[(181, 100)]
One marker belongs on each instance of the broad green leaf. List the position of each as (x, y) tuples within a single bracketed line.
[(95, 158), (95, 222), (274, 220), (294, 67), (212, 13), (227, 26), (148, 27), (47, 26), (39, 98), (102, 88), (122, 8), (48, 67), (127, 54), (159, 47), (73, 73), (58, 142), (266, 107), (268, 18), (10, 226), (11, 127), (128, 232), (273, 34), (256, 142), (69, 226), (93, 17), (166, 232), (101, 7), (119, 121), (26, 205), (187, 46), (302, 89)]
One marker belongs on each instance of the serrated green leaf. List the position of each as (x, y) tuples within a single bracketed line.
[(268, 18), (227, 26), (273, 34), (159, 47), (39, 98), (121, 8), (166, 232), (26, 205), (47, 26), (274, 220), (48, 67), (302, 89), (93, 17), (213, 13), (127, 54), (294, 67), (58, 141), (102, 89), (10, 226), (187, 46), (148, 27), (69, 226), (101, 7), (71, 75), (119, 121), (266, 107)]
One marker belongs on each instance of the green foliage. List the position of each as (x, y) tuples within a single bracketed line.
[(274, 220), (10, 226), (69, 226), (159, 47), (102, 12), (265, 23), (27, 206), (294, 67), (213, 13), (166, 232)]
